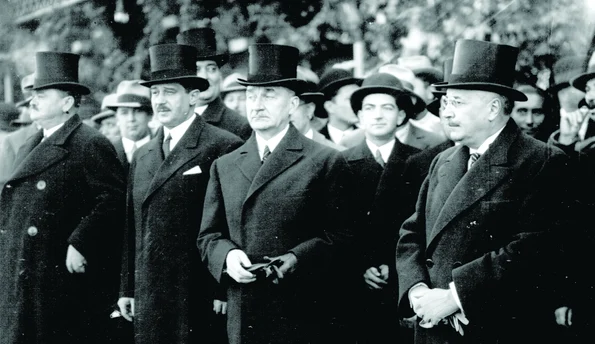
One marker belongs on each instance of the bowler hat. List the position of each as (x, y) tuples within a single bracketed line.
[(564, 70), (203, 39), (422, 67), (131, 94), (58, 70), (580, 81), (379, 83), (273, 65), (335, 78), (310, 95), (486, 66), (174, 63), (230, 83), (434, 106), (8, 113)]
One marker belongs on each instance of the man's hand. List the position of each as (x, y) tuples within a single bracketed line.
[(376, 278), (289, 264), (75, 262), (236, 262), (219, 307), (435, 305), (564, 316), (126, 305), (570, 124)]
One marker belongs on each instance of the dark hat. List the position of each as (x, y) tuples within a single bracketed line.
[(310, 95), (580, 81), (380, 83), (565, 69), (131, 94), (174, 63), (273, 65), (335, 78), (203, 39), (434, 106), (8, 114), (58, 70), (422, 67), (481, 65)]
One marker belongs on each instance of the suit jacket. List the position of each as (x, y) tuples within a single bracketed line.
[(119, 146), (162, 270), (221, 116), (67, 190), (490, 231), (325, 133), (268, 210)]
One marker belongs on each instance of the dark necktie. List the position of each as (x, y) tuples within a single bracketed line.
[(378, 158), (473, 158), (265, 154), (165, 147)]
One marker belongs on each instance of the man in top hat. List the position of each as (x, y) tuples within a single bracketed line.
[(208, 64), (62, 211), (133, 113), (234, 94), (278, 199), (377, 164), (476, 259), (165, 287), (337, 85)]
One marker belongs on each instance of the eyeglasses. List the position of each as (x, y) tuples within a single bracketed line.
[(445, 101)]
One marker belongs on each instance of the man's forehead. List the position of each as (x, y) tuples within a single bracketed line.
[(457, 92), (379, 97), (168, 85), (201, 63), (591, 83), (276, 89)]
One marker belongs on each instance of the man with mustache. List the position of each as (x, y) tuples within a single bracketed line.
[(61, 219), (208, 66), (478, 260), (165, 287), (277, 205)]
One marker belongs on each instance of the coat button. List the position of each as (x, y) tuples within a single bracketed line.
[(8, 186), (429, 263), (41, 185), (32, 231)]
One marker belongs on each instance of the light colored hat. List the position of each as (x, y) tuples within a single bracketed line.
[(421, 66), (131, 94), (230, 83), (406, 76), (106, 111)]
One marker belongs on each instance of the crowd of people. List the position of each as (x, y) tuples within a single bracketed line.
[(414, 205)]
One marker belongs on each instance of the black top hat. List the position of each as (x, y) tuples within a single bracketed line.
[(481, 65), (382, 83), (434, 106), (203, 39), (580, 82), (564, 70), (58, 70), (273, 65), (335, 78), (174, 63)]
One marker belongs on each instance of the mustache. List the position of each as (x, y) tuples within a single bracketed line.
[(162, 108)]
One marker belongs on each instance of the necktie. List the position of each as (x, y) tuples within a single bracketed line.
[(165, 147), (472, 159), (378, 158), (131, 153), (265, 154)]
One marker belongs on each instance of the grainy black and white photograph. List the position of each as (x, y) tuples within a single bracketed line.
[(297, 171)]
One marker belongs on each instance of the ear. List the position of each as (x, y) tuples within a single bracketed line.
[(495, 108), (294, 102), (401, 115), (67, 103), (193, 97), (328, 106)]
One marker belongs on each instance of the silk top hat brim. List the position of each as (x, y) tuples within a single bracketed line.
[(294, 84), (580, 82), (386, 84), (174, 63), (509, 92), (70, 86), (312, 97)]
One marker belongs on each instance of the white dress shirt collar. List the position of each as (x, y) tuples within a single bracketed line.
[(310, 134), (177, 132), (129, 145), (337, 134), (272, 143), (49, 132), (199, 110), (385, 149)]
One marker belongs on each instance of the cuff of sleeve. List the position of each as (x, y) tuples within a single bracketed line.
[(453, 290), (420, 284)]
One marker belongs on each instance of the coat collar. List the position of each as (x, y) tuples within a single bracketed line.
[(457, 190), (34, 157), (214, 111), (286, 154)]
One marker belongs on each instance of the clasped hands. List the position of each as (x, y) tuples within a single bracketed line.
[(434, 306), (238, 263)]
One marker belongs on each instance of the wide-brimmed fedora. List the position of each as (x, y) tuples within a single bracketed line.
[(434, 106), (335, 78), (273, 65), (422, 67), (565, 69), (174, 63), (58, 70), (379, 83), (205, 42), (580, 82), (485, 66), (131, 94)]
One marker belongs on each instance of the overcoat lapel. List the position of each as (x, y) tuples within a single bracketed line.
[(185, 150), (214, 111), (458, 191), (391, 171), (33, 158), (249, 161)]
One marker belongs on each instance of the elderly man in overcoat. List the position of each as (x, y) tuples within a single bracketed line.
[(61, 217), (278, 199), (165, 287), (477, 260)]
